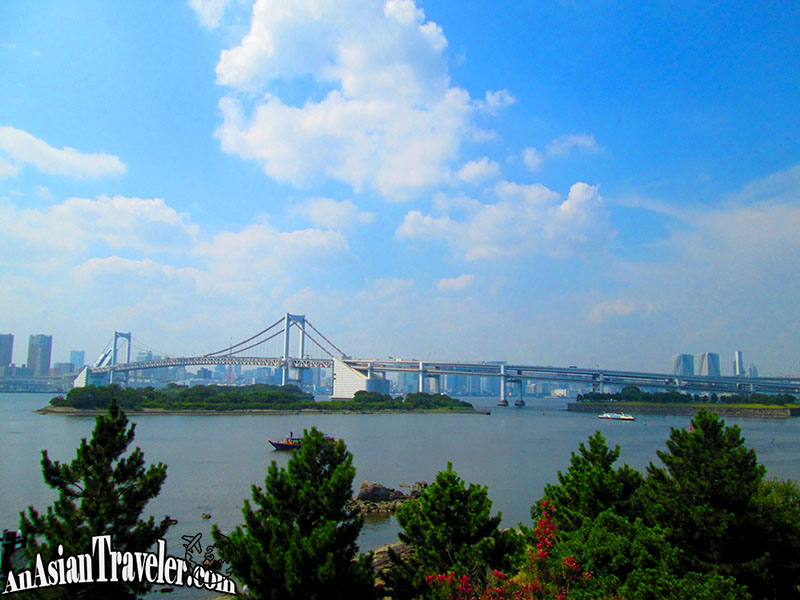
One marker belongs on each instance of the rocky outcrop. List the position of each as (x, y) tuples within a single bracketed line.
[(377, 498)]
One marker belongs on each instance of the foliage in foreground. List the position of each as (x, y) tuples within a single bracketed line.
[(300, 541), (101, 492), (450, 527)]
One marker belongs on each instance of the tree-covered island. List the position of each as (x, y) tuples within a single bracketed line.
[(260, 397), (634, 400)]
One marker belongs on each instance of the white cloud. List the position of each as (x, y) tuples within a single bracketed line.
[(455, 284), (44, 192), (494, 101), (7, 169), (532, 158), (389, 119), (119, 222), (209, 11), (559, 147), (565, 144), (332, 214), (610, 308), (525, 219), (24, 148), (476, 171)]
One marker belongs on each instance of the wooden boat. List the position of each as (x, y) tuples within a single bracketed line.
[(287, 443), (294, 443)]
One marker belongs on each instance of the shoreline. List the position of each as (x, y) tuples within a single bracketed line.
[(723, 410), (75, 412)]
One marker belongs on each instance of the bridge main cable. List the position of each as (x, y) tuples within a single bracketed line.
[(263, 331), (324, 338)]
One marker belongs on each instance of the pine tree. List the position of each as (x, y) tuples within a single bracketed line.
[(101, 492), (590, 486), (706, 500), (300, 543), (449, 527)]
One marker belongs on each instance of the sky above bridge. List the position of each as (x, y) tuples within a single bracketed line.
[(551, 182)]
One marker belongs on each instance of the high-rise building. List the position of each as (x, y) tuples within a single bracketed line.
[(77, 358), (738, 364), (752, 371), (707, 364), (39, 350), (683, 364), (6, 348)]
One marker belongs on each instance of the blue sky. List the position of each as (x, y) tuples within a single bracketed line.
[(551, 182)]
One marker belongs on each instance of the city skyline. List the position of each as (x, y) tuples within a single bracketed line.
[(543, 183)]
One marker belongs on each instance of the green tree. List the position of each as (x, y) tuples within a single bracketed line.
[(590, 486), (300, 543), (706, 498), (633, 561), (449, 527), (101, 492)]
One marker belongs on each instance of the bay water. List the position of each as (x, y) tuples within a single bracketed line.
[(214, 459)]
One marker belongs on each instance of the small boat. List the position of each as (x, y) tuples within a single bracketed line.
[(502, 402), (616, 416), (287, 443), (294, 443)]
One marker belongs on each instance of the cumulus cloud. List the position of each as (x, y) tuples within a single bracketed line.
[(532, 158), (476, 171), (559, 147), (118, 222), (494, 101), (7, 169), (524, 219), (610, 308), (209, 11), (332, 214), (455, 284), (386, 118), (565, 144), (24, 148)]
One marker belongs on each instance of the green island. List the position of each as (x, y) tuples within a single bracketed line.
[(634, 400), (242, 399)]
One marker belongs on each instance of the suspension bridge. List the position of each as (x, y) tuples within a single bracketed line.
[(272, 347)]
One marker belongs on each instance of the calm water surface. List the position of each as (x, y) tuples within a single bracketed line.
[(213, 460)]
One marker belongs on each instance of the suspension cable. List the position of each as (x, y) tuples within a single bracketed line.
[(228, 350), (326, 339), (252, 345)]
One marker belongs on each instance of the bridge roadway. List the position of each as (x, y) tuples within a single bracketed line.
[(598, 379)]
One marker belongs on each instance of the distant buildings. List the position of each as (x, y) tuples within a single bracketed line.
[(683, 364), (707, 364), (738, 364), (39, 349), (6, 348), (77, 358)]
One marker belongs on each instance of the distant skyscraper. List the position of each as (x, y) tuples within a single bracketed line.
[(752, 371), (6, 348), (707, 364), (738, 364), (683, 364), (77, 358), (39, 349)]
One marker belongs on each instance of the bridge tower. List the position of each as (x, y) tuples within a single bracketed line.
[(300, 322), (117, 336)]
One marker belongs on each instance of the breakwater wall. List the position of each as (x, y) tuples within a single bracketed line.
[(723, 410)]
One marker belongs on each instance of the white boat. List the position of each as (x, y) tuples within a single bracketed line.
[(616, 416)]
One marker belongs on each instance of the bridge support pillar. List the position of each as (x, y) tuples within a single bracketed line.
[(502, 382), (520, 389), (117, 336), (421, 382)]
